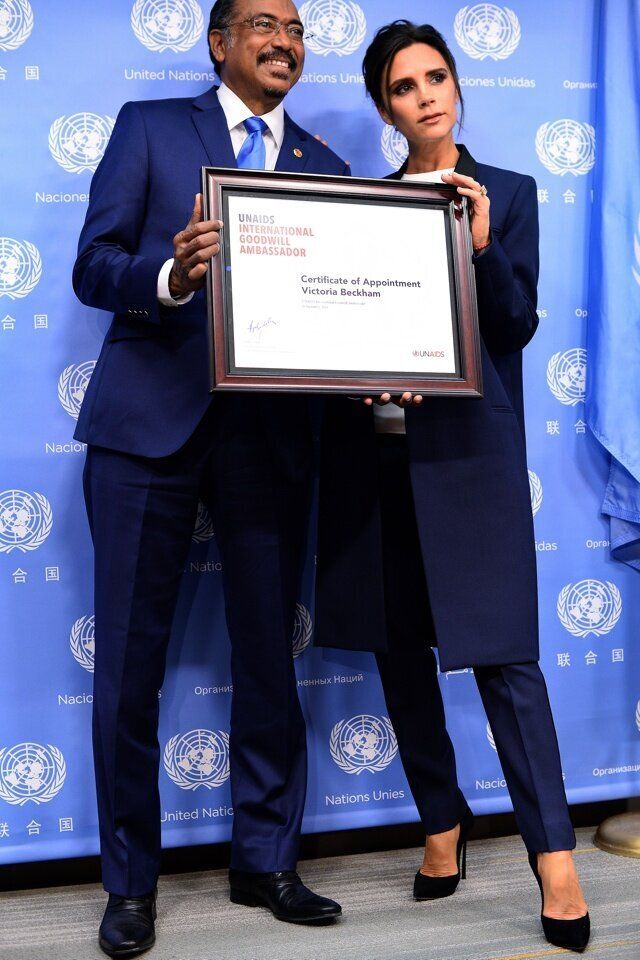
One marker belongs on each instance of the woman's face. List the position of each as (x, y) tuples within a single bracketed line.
[(420, 95)]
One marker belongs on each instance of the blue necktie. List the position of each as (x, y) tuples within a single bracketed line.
[(252, 154)]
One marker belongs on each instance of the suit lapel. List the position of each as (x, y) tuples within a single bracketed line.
[(466, 165), (211, 125), (294, 152)]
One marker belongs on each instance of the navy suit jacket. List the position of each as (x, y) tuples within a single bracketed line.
[(150, 386), (468, 472)]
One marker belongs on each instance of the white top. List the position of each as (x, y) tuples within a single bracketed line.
[(236, 112), (390, 418)]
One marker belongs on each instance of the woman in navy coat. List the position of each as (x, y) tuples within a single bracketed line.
[(426, 534)]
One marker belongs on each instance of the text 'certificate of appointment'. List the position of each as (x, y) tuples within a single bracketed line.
[(331, 285)]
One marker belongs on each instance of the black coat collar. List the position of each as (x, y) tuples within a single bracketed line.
[(466, 165)]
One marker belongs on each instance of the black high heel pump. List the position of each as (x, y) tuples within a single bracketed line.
[(433, 888), (569, 934)]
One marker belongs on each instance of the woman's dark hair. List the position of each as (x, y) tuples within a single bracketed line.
[(388, 41), (219, 19)]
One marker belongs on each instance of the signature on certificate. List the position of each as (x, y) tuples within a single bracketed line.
[(259, 326)]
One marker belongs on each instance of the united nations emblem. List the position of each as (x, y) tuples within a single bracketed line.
[(636, 250), (363, 743), (486, 30), (73, 384), (167, 24), (16, 23), (490, 738), (589, 606), (78, 142), (203, 529), (394, 146), (567, 376), (566, 146), (82, 641), (20, 267), (25, 520), (333, 26), (535, 490), (199, 758), (302, 630), (31, 771)]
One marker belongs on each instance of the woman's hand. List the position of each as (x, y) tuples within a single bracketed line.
[(405, 400), (479, 204)]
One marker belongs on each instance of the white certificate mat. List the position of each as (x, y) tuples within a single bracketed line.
[(340, 285)]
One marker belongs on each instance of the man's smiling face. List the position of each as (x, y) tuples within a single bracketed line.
[(259, 69)]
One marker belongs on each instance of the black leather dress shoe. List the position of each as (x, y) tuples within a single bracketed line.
[(127, 926), (284, 894)]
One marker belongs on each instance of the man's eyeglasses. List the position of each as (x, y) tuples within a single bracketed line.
[(270, 27)]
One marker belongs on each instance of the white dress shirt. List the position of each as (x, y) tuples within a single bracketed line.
[(236, 112), (390, 417)]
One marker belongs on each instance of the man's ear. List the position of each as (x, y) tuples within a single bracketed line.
[(218, 45)]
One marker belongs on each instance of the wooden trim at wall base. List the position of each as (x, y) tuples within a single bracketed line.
[(54, 873)]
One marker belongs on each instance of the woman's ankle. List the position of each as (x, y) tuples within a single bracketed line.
[(440, 851)]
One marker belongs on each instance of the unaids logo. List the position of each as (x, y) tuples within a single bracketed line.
[(199, 758), (72, 386), (363, 743), (20, 267), (203, 529), (590, 606), (334, 26), (394, 147), (302, 630), (486, 30), (567, 376), (566, 146), (535, 490), (31, 771), (77, 143), (167, 24), (16, 23), (26, 520), (82, 641), (636, 250), (490, 738)]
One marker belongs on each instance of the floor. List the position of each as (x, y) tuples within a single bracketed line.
[(492, 916)]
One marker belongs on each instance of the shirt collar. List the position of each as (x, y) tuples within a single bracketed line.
[(236, 112)]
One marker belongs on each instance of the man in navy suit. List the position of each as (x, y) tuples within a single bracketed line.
[(157, 442)]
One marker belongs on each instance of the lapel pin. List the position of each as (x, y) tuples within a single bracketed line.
[(297, 152)]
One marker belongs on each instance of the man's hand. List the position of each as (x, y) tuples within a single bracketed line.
[(405, 400), (193, 247), (324, 143)]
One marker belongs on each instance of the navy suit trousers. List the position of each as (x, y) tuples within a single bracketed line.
[(514, 696), (142, 513)]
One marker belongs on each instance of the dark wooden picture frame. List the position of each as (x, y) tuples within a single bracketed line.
[(217, 183)]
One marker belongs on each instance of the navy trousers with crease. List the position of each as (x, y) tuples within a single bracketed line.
[(142, 513), (515, 696)]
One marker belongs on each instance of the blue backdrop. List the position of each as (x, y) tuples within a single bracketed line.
[(528, 76)]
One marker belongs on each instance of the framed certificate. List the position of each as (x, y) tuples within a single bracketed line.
[(340, 285)]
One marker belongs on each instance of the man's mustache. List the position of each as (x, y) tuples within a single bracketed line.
[(279, 55)]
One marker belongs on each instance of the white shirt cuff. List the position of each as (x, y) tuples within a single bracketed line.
[(164, 295)]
